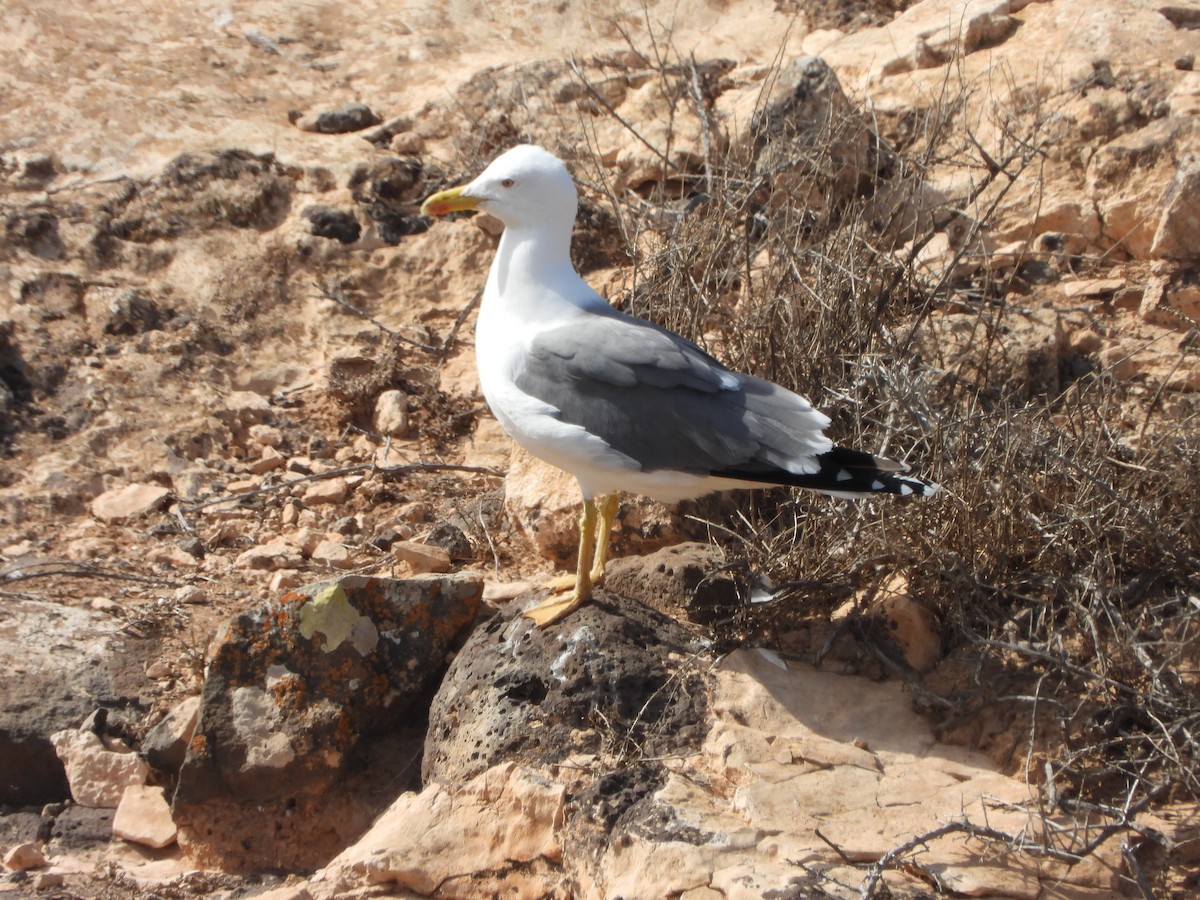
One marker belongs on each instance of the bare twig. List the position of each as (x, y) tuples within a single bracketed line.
[(349, 470), (334, 293), (64, 570)]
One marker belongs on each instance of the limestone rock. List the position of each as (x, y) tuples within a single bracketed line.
[(421, 558), (521, 693), (664, 122), (1085, 342), (294, 690), (129, 501), (803, 752), (265, 436), (1141, 194), (407, 143), (1155, 306), (1185, 299), (908, 624), (98, 769), (25, 856), (544, 503), (505, 817), (277, 553), (270, 460), (329, 490), (144, 817), (333, 554), (391, 414), (165, 745), (1178, 232), (45, 881), (1092, 287), (287, 892), (62, 662), (489, 445)]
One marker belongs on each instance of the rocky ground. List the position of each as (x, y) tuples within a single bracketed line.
[(235, 362)]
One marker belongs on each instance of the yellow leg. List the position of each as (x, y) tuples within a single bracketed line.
[(608, 512), (607, 509), (554, 608)]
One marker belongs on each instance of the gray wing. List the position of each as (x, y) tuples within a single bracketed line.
[(664, 402)]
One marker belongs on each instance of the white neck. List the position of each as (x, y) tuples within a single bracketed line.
[(536, 257), (532, 254)]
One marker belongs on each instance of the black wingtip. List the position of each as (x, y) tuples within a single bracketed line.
[(843, 472)]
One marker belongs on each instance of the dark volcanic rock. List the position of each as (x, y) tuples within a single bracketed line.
[(316, 689), (686, 577), (807, 126), (81, 828), (165, 745), (612, 674), (451, 539), (351, 117), (328, 222), (129, 311), (21, 826), (60, 664), (390, 190), (197, 192)]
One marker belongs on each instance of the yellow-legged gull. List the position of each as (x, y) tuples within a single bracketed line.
[(621, 403)]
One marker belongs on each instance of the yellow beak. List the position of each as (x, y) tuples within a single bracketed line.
[(445, 202)]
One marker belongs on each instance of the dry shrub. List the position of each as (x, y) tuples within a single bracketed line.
[(1064, 563)]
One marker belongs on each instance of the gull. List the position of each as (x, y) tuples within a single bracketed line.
[(621, 403)]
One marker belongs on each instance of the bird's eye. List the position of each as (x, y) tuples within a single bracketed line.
[(507, 182)]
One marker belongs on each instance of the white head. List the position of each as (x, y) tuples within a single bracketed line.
[(523, 187)]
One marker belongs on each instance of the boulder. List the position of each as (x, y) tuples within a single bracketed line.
[(61, 664), (907, 624), (333, 554), (80, 828), (808, 141), (330, 490), (344, 119), (277, 553), (309, 701), (614, 672), (1142, 193), (500, 821), (686, 577)]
